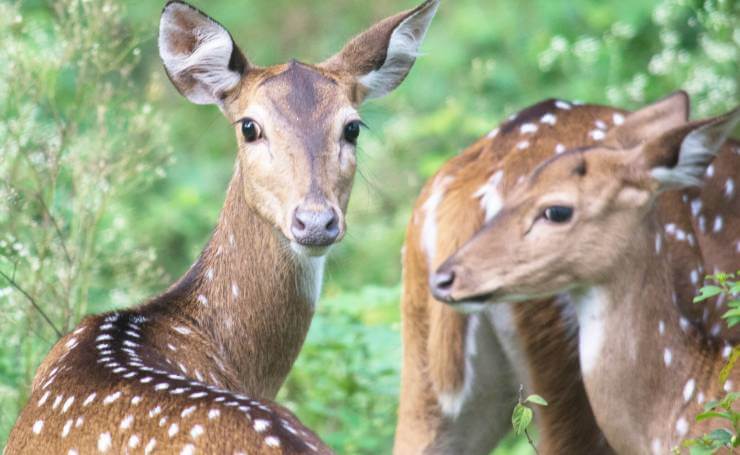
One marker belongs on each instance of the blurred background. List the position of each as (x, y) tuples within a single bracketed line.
[(110, 182)]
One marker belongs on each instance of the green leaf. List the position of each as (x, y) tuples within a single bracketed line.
[(713, 415), (521, 418), (722, 436), (709, 405), (536, 399), (707, 292)]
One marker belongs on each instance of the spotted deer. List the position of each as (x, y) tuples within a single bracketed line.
[(586, 224), (462, 366), (194, 369)]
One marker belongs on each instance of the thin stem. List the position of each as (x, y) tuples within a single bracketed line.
[(526, 433), (32, 301)]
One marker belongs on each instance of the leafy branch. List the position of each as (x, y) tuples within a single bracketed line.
[(523, 415)]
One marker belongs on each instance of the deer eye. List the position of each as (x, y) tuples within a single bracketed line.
[(251, 130), (352, 132), (558, 214)]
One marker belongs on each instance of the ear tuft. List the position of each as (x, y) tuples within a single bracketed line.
[(700, 142), (199, 54), (381, 58)]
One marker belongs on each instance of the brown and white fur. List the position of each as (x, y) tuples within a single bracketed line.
[(176, 374), (461, 372), (587, 224)]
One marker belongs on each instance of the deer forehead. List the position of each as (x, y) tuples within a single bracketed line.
[(298, 97)]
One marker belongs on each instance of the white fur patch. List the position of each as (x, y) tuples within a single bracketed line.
[(590, 307), (403, 49), (490, 197), (452, 403), (312, 279), (207, 64), (429, 228)]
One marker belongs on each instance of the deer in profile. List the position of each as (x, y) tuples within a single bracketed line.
[(194, 369), (585, 224), (462, 366)]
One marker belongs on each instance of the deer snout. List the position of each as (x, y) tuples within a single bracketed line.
[(442, 283), (316, 226)]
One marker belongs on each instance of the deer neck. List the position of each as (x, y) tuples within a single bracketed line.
[(248, 301), (647, 370)]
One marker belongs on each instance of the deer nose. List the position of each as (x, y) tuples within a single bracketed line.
[(441, 284), (315, 227)]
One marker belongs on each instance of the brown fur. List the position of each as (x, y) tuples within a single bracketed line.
[(432, 336), (175, 373), (651, 373)]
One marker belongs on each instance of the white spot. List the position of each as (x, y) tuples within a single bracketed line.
[(658, 242), (655, 445), (213, 413), (683, 323), (126, 422), (710, 170), (43, 398), (111, 398), (680, 235), (682, 427), (493, 134), (522, 145), (172, 431), (729, 188), (135, 400), (198, 395), (73, 452), (80, 420), (150, 446), (203, 300), (261, 425), (597, 135), (234, 290), (38, 426), (89, 399), (189, 449), (667, 357), (716, 328), (182, 330), (67, 428), (155, 411), (563, 105), (726, 351), (490, 197), (196, 431), (694, 277), (688, 390), (618, 119), (272, 441), (104, 442), (549, 119), (528, 128), (700, 398), (187, 411), (718, 222), (600, 124), (661, 327), (67, 404), (560, 148), (209, 274), (728, 386), (72, 342), (133, 441), (429, 228), (57, 401)]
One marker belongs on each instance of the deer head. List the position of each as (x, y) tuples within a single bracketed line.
[(297, 124), (579, 217)]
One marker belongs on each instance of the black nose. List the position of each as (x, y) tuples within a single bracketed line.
[(315, 227), (441, 284)]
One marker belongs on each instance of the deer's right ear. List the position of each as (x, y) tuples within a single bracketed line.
[(379, 59), (199, 54), (651, 121)]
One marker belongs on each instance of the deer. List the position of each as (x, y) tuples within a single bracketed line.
[(586, 223), (462, 365), (196, 368)]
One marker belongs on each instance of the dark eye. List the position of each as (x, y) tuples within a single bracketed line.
[(352, 132), (251, 130), (558, 214)]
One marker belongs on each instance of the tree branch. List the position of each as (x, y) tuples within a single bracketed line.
[(32, 301)]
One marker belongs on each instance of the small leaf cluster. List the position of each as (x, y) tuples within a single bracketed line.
[(725, 285)]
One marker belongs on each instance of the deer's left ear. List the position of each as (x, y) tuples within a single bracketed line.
[(680, 157), (379, 59)]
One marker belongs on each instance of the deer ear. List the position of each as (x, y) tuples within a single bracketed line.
[(650, 121), (379, 59), (199, 54), (680, 157)]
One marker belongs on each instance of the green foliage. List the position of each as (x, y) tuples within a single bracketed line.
[(723, 410), (523, 415), (94, 215)]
